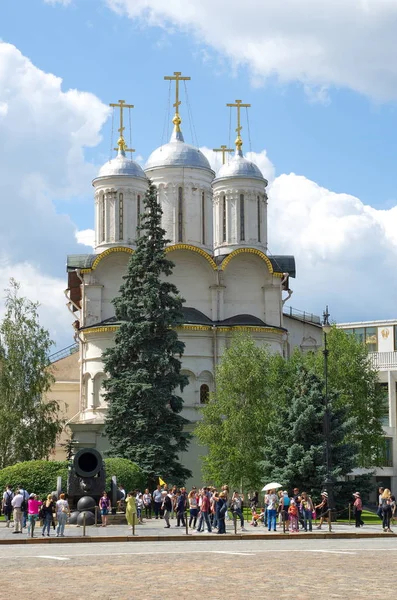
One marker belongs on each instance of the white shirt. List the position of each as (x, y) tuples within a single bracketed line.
[(272, 501), (8, 494), (60, 504), (17, 501)]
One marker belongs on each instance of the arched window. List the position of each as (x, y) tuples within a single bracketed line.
[(259, 217), (138, 214), (203, 217), (223, 218), (121, 216), (180, 215), (103, 216), (242, 218), (204, 393)]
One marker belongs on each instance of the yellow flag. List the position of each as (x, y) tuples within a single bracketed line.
[(161, 482)]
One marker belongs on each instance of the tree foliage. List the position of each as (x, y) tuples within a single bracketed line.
[(236, 418), (29, 424), (294, 448), (143, 421)]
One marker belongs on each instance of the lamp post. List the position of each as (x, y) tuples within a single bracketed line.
[(328, 483)]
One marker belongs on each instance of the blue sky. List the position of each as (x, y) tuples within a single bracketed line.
[(329, 117)]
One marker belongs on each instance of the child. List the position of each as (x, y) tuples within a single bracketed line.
[(139, 506), (257, 518), (293, 517)]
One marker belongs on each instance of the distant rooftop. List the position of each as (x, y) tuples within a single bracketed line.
[(301, 315)]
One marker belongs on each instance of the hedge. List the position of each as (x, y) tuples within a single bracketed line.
[(40, 476)]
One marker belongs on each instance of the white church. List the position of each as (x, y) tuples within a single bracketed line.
[(217, 227)]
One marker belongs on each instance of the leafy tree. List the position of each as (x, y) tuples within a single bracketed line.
[(294, 448), (238, 413), (352, 375), (29, 424), (143, 421)]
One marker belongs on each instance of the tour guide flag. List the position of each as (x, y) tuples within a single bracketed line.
[(161, 482)]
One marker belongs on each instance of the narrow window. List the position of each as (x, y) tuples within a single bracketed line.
[(180, 215), (223, 218), (138, 214), (242, 218), (203, 217), (121, 216), (204, 393), (259, 218), (103, 223)]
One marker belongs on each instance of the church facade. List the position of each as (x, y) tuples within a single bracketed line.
[(217, 227)]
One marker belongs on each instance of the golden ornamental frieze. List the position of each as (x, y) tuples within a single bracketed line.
[(106, 253), (200, 251)]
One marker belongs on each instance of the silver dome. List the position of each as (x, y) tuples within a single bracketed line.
[(177, 154), (239, 166), (121, 165)]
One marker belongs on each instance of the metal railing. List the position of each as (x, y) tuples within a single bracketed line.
[(301, 315), (383, 360), (63, 353)]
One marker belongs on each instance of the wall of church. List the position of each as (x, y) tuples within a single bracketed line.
[(103, 286), (303, 335)]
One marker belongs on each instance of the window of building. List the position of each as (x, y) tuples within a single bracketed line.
[(203, 217), (223, 218), (365, 335), (258, 201), (138, 214), (121, 216), (242, 218), (204, 393), (387, 459), (395, 337), (103, 222), (384, 387), (180, 215)]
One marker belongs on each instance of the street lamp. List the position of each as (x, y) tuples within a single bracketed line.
[(328, 484)]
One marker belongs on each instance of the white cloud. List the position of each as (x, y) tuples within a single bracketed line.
[(86, 237), (44, 131), (64, 2), (343, 43)]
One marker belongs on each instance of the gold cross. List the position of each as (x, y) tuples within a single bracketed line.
[(121, 144), (177, 78), (223, 149), (238, 104)]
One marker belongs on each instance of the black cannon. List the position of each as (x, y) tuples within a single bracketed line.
[(86, 476)]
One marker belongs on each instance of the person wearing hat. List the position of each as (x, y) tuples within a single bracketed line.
[(323, 506), (358, 509), (33, 512)]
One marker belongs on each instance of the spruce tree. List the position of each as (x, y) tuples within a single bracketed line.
[(143, 422), (294, 449)]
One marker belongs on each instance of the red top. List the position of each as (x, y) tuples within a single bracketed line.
[(358, 504), (205, 504)]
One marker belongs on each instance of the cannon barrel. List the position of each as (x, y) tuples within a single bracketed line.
[(87, 462)]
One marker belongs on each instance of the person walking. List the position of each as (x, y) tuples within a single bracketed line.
[(167, 508), (180, 504), (272, 505), (307, 511), (104, 505), (33, 512), (62, 511), (323, 506), (24, 507), (47, 511), (358, 509), (16, 503), (204, 512), (221, 510), (130, 508), (386, 510), (236, 506), (157, 501), (7, 504), (147, 503)]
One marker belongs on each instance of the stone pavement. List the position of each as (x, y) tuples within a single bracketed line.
[(153, 530)]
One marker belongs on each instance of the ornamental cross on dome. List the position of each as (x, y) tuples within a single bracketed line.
[(224, 149), (177, 77), (239, 105), (121, 143)]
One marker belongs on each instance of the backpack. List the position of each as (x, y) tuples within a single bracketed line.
[(8, 500), (24, 503)]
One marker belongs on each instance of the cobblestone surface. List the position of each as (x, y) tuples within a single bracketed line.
[(300, 570)]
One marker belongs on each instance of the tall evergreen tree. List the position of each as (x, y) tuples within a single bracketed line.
[(143, 422), (294, 449)]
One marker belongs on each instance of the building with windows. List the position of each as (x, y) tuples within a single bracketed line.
[(217, 227), (380, 338)]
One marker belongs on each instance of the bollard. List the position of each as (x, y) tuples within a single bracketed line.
[(283, 522), (133, 523), (235, 523), (350, 514), (96, 516), (32, 525), (84, 524), (329, 519), (186, 524)]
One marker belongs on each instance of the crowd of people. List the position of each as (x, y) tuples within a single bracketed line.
[(205, 509)]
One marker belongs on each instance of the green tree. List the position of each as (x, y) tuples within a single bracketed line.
[(29, 424), (237, 416), (351, 374), (143, 422), (294, 448)]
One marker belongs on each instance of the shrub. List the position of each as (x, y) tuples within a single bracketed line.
[(127, 473), (38, 476)]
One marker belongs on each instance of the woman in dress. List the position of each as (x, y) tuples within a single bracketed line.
[(104, 505), (47, 510), (323, 506), (62, 509), (130, 508)]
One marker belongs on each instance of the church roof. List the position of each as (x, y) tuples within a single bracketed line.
[(239, 166), (80, 261), (283, 264), (177, 154), (121, 165)]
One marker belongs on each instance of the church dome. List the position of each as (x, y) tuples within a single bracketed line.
[(121, 165), (177, 154), (239, 166)]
